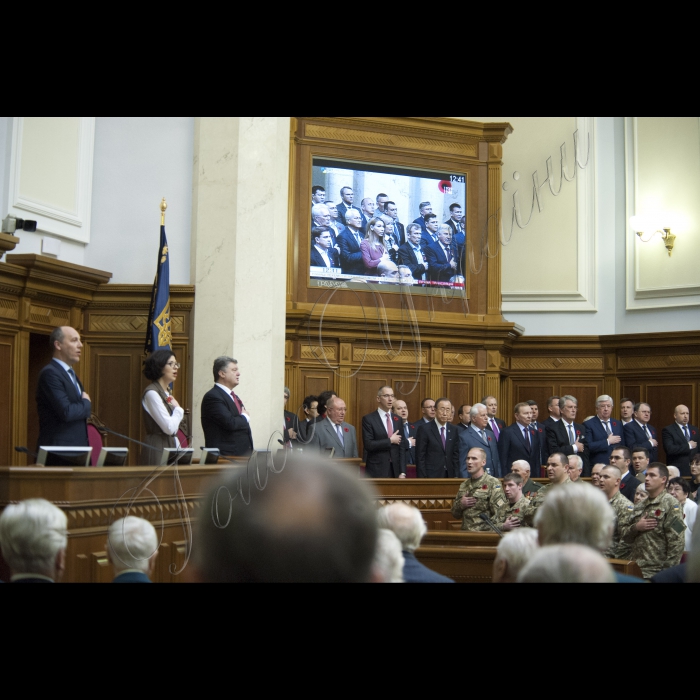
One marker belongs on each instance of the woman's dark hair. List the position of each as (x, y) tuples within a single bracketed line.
[(682, 483), (323, 399), (154, 366)]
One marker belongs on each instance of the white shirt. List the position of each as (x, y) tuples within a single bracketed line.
[(568, 434), (683, 429), (691, 513), (324, 255), (229, 393), (153, 405), (68, 368), (383, 414)]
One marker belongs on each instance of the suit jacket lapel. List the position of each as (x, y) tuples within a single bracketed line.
[(329, 429)]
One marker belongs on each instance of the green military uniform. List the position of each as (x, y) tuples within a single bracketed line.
[(531, 489), (662, 548), (490, 500), (537, 501), (516, 511), (624, 510)]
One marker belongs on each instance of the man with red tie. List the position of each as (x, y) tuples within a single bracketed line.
[(520, 442), (225, 421), (442, 257), (383, 442), (497, 426), (639, 433)]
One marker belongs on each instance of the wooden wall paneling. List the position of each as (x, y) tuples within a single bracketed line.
[(460, 390), (632, 392), (40, 354), (7, 343), (524, 391), (586, 394), (316, 382)]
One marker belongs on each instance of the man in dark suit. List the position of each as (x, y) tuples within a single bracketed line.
[(494, 422), (639, 433), (349, 242), (681, 441), (411, 254), (63, 405), (408, 430), (479, 435), (429, 234), (437, 446), (442, 257), (323, 254), (392, 211), (335, 433), (291, 423), (224, 418), (347, 197), (554, 413), (621, 458), (520, 442), (465, 418), (603, 433), (383, 442), (541, 430), (568, 437), (426, 210), (132, 550), (455, 220)]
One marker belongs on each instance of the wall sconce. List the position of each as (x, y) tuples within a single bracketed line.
[(640, 225)]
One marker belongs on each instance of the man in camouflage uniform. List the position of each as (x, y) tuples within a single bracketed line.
[(481, 494), (558, 473), (656, 529), (610, 480), (512, 516), (524, 471)]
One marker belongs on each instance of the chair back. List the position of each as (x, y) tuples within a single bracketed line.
[(184, 443), (95, 441)]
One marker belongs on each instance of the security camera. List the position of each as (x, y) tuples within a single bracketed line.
[(10, 225)]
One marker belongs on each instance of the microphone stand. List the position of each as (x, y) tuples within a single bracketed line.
[(487, 520)]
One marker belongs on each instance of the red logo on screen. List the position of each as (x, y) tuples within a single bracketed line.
[(445, 187)]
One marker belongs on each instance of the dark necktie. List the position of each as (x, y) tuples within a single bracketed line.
[(444, 439), (74, 379), (407, 431), (572, 437), (238, 403), (687, 433), (607, 427), (526, 433)]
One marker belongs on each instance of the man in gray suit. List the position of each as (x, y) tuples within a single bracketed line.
[(335, 432), (479, 435)]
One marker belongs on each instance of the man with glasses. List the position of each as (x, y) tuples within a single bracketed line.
[(334, 433), (621, 459), (639, 433), (437, 445), (384, 445)]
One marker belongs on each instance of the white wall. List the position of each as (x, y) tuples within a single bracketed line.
[(4, 163), (138, 161)]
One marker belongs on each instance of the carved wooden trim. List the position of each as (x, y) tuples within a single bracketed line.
[(9, 309), (564, 363), (659, 362), (381, 355), (459, 359), (129, 324), (314, 352)]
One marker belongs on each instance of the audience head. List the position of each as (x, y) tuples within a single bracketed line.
[(514, 552), (388, 271), (406, 522), (161, 365), (287, 394), (132, 545), (476, 463), (353, 219), (445, 235), (513, 487), (553, 407), (313, 523), (567, 564), (406, 276), (465, 415), (336, 410), (621, 458), (388, 559), (673, 472), (640, 461), (310, 407), (491, 403), (610, 479), (575, 467), (682, 415), (368, 208), (595, 474), (642, 413), (426, 208), (695, 468), (33, 539), (523, 470), (535, 410), (226, 372), (414, 233), (576, 514), (318, 195), (382, 201), (323, 400), (558, 468), (432, 223), (456, 212), (604, 407), (333, 209), (322, 237), (347, 195), (641, 494), (386, 398), (523, 414), (392, 210), (657, 479), (679, 489), (627, 410), (376, 230), (480, 416), (428, 408), (66, 345), (568, 407), (321, 215)]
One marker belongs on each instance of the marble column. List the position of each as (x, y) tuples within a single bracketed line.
[(239, 262)]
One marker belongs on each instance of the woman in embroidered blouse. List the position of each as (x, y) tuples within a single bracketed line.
[(680, 490), (373, 248), (162, 413)]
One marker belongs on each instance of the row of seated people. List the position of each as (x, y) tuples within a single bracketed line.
[(315, 523), (439, 448)]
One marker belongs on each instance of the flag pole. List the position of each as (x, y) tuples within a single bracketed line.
[(163, 209)]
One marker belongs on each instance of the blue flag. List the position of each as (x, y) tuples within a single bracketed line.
[(159, 334)]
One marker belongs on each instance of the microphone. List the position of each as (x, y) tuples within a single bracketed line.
[(25, 451), (487, 520)]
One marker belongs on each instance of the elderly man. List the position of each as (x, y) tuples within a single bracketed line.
[(639, 433), (388, 559), (408, 525), (368, 208), (567, 436), (349, 242), (406, 276), (315, 522), (321, 218), (442, 257), (480, 495), (480, 436), (495, 423), (514, 552), (603, 434), (522, 469), (558, 474), (132, 550), (334, 433), (656, 529), (680, 440), (568, 563), (409, 430), (622, 459), (610, 479), (511, 517), (437, 445), (411, 253), (520, 442), (33, 540), (575, 468), (388, 272)]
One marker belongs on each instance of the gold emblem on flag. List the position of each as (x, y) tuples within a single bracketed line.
[(164, 254), (163, 324)]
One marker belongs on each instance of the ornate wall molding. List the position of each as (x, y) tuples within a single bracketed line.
[(557, 363)]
